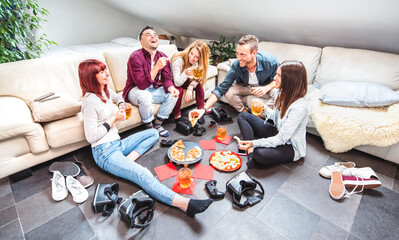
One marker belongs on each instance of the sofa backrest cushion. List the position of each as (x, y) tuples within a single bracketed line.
[(357, 94), (29, 79), (356, 65), (117, 62), (309, 56)]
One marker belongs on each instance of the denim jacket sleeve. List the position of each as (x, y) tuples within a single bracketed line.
[(231, 76), (289, 125)]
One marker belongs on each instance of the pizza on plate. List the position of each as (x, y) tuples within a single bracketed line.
[(195, 152), (225, 161), (180, 144), (189, 157), (177, 154)]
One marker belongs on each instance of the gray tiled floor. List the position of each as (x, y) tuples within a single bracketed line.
[(296, 203)]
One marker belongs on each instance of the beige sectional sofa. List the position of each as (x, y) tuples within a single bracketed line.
[(339, 64), (25, 143)]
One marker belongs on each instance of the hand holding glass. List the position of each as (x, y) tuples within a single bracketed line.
[(128, 109), (256, 106), (197, 72)]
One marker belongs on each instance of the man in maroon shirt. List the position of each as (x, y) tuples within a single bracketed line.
[(149, 81)]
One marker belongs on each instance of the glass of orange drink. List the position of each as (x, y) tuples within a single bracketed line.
[(221, 132), (185, 177), (256, 106)]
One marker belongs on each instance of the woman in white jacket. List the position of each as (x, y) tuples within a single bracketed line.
[(285, 141)]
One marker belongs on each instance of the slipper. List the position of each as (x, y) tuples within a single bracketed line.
[(337, 187), (65, 168)]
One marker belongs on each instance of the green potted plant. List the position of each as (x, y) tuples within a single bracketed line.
[(222, 50), (19, 20)]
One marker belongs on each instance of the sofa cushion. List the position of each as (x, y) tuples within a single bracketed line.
[(309, 56), (357, 94), (65, 131), (356, 65), (62, 107)]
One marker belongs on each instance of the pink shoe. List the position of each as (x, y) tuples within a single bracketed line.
[(358, 183)]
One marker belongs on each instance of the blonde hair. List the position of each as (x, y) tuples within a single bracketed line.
[(203, 61)]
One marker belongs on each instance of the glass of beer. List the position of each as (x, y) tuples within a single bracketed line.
[(256, 106), (128, 109), (221, 132), (185, 177), (197, 72)]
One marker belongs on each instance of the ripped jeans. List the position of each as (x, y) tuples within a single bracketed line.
[(111, 157)]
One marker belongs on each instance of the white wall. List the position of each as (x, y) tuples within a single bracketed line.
[(368, 24), (75, 22)]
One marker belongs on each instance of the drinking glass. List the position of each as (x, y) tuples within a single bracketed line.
[(128, 109), (197, 72), (221, 132), (256, 106), (185, 177)]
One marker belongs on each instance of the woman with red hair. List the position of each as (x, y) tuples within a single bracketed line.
[(117, 156)]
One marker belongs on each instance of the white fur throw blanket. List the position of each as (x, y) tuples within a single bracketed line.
[(343, 128)]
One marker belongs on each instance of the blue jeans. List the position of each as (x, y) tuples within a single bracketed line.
[(145, 98), (111, 157)]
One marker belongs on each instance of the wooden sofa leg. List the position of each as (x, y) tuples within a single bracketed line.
[(20, 175)]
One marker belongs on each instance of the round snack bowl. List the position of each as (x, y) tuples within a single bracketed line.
[(227, 154), (188, 145)]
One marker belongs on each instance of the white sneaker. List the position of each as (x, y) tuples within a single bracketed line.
[(79, 193), (58, 189), (338, 166)]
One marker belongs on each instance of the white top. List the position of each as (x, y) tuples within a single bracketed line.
[(253, 79), (180, 77), (95, 114), (291, 128)]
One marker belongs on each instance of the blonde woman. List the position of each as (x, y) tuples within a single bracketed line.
[(182, 65)]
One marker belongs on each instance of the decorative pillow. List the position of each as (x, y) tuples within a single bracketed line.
[(59, 108), (357, 94)]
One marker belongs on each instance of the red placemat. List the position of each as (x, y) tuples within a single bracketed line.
[(190, 190), (203, 172), (226, 140), (208, 144), (165, 171)]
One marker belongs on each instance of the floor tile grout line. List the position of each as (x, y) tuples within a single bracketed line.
[(17, 219), (52, 219), (357, 208)]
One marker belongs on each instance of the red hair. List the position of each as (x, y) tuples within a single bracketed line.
[(88, 70)]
